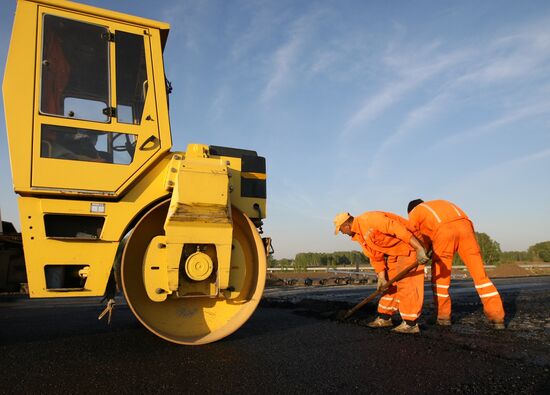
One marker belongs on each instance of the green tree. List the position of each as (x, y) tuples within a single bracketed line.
[(343, 260), (303, 260), (359, 258), (331, 262), (490, 249), (300, 265), (516, 256), (285, 263), (271, 262), (541, 251)]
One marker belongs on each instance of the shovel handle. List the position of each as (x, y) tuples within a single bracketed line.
[(380, 291)]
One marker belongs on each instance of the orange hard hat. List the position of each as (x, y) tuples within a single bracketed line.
[(339, 220)]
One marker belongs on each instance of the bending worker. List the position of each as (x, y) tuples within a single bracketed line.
[(450, 230), (384, 234)]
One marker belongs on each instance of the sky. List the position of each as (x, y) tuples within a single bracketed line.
[(361, 105)]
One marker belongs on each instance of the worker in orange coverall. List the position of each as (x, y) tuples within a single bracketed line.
[(450, 230), (383, 234)]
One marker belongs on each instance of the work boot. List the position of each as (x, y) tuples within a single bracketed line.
[(498, 325), (443, 321), (406, 328), (380, 323)]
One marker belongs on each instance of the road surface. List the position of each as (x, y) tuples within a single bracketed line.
[(289, 346)]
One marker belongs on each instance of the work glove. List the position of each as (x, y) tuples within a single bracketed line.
[(421, 256), (381, 280)]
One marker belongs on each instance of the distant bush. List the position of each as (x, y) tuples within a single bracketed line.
[(490, 253), (282, 263), (303, 260), (515, 256), (307, 259), (541, 251)]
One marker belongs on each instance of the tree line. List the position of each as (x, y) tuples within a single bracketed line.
[(490, 252), (303, 260), (537, 252)]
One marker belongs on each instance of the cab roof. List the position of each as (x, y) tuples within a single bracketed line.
[(108, 14)]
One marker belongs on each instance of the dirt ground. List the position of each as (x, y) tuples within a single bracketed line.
[(512, 270)]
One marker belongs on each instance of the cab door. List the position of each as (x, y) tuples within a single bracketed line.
[(95, 119)]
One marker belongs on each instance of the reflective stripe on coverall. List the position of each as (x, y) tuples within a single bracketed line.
[(380, 234), (451, 231)]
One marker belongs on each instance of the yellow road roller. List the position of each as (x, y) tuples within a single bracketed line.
[(103, 201)]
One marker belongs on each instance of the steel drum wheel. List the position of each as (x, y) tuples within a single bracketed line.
[(198, 320)]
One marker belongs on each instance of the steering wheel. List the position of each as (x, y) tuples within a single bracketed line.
[(127, 146)]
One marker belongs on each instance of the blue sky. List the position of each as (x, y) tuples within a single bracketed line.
[(362, 105)]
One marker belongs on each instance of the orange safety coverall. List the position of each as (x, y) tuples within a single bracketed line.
[(385, 234), (450, 230)]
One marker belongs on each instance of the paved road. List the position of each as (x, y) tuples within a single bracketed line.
[(459, 288), (52, 346)]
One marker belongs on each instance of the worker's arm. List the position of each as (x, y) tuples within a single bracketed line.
[(390, 227), (379, 265), (382, 280), (376, 260), (420, 251), (395, 228)]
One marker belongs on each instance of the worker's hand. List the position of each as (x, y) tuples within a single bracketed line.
[(421, 255), (381, 280)]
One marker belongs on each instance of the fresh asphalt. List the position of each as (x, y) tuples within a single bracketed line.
[(53, 346)]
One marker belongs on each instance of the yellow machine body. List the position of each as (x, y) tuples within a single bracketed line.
[(86, 108)]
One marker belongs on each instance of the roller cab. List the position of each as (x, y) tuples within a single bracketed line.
[(86, 109), (85, 99)]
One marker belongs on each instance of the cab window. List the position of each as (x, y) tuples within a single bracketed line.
[(131, 77), (61, 142), (75, 69)]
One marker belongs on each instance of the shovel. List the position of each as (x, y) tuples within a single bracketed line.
[(380, 291)]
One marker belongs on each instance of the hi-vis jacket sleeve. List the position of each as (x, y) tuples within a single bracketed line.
[(379, 265), (376, 259)]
